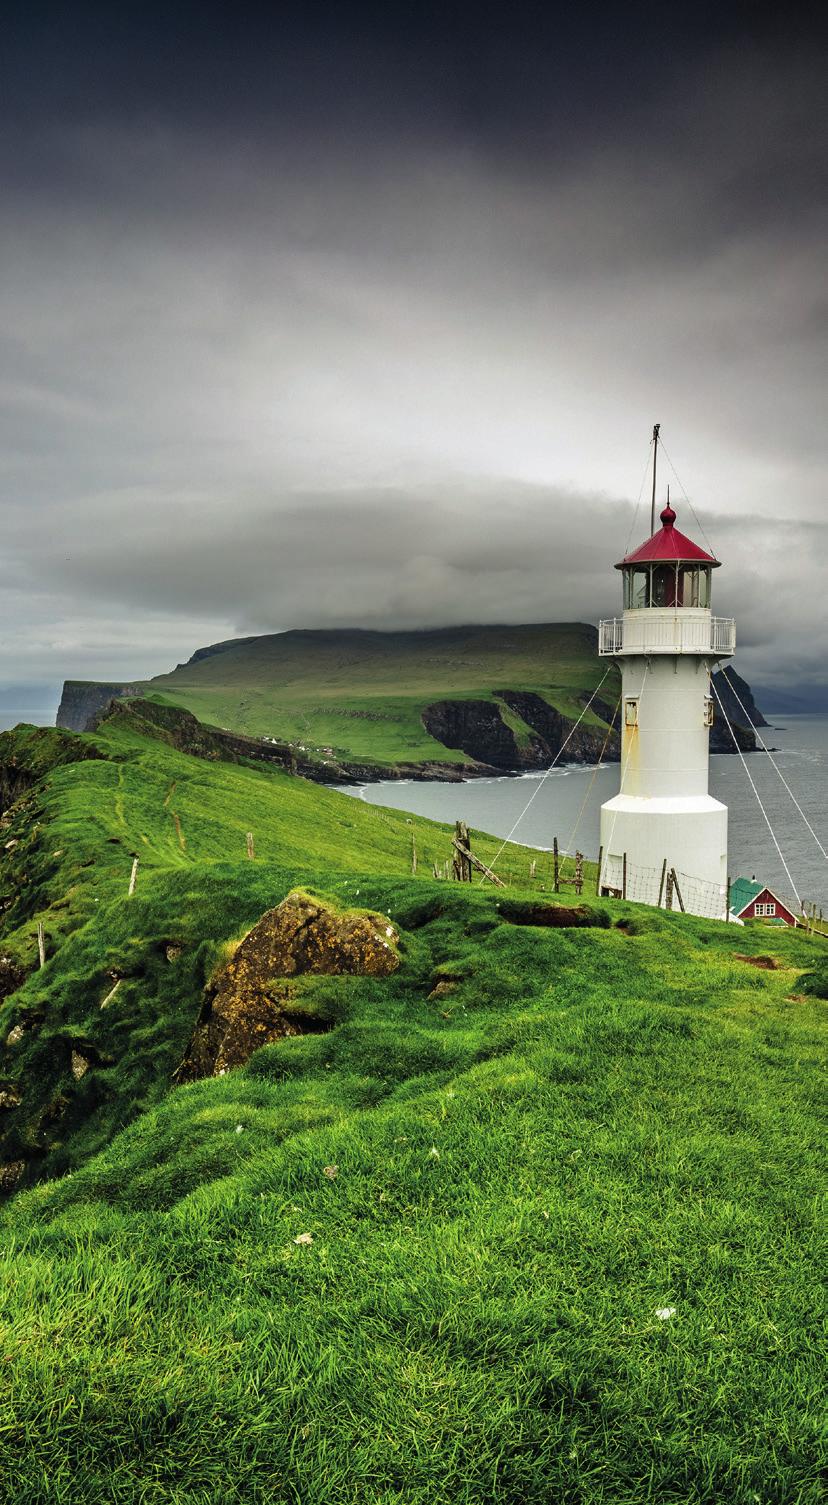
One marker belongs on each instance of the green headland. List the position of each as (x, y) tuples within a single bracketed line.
[(430, 703)]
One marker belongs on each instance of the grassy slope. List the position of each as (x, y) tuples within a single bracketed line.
[(343, 689), (187, 821), (589, 1125)]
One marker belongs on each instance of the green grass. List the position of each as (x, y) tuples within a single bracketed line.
[(580, 1128), (187, 821), (343, 689)]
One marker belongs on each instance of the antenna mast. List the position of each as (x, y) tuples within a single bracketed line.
[(656, 427)]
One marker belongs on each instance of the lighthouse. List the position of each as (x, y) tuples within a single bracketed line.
[(663, 821)]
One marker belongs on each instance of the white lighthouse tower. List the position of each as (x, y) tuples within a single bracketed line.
[(663, 819)]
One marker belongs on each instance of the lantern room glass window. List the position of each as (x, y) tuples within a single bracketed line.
[(637, 588), (667, 585), (694, 585)]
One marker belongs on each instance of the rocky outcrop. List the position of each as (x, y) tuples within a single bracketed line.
[(721, 740), (82, 701), (251, 1002), (732, 690), (552, 730), (477, 728), (12, 976), (14, 783)]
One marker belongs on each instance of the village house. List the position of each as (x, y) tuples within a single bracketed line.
[(750, 900)]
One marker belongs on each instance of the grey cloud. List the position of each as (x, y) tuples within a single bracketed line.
[(507, 554), (250, 383)]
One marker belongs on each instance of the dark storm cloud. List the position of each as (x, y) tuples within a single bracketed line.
[(367, 323)]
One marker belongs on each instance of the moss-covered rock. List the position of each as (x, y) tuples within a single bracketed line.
[(249, 1002)]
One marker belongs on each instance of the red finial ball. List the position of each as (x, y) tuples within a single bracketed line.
[(668, 516)]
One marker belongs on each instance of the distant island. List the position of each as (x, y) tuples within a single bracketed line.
[(450, 703)]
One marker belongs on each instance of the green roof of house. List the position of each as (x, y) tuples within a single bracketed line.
[(742, 892)]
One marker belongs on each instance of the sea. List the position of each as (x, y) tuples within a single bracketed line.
[(40, 715), (569, 801)]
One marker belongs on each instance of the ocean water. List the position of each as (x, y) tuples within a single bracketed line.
[(569, 802), (32, 715)]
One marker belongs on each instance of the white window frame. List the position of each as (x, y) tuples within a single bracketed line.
[(765, 910)]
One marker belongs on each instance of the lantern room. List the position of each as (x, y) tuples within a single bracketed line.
[(668, 570)]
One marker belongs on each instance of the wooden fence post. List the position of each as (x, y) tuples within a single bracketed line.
[(727, 900), (579, 872), (598, 875), (678, 891), (533, 867), (461, 861), (661, 884), (133, 876), (41, 943), (251, 847), (668, 897), (413, 855), (624, 877), (556, 867), (469, 861)]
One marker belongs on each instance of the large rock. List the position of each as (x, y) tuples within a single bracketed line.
[(249, 1002)]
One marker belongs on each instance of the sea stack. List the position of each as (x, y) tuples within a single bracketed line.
[(663, 836)]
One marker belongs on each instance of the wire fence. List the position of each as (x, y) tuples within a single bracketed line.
[(431, 853), (666, 887)]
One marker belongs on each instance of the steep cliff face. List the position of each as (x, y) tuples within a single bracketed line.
[(478, 729), (552, 730), (731, 690), (83, 700)]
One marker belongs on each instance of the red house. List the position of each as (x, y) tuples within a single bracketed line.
[(750, 900)]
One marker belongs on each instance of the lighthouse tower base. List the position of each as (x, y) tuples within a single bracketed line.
[(689, 833)]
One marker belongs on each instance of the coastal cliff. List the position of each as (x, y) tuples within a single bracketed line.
[(83, 700)]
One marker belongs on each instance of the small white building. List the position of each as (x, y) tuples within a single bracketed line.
[(667, 643)]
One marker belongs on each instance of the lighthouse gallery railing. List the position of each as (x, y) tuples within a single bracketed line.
[(651, 631)]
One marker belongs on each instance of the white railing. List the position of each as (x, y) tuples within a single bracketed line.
[(666, 630), (610, 635), (723, 634)]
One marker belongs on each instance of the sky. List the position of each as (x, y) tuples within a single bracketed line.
[(361, 315)]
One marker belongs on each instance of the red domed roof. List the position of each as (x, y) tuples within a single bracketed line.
[(668, 546)]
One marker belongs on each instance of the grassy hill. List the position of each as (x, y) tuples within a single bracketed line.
[(363, 693), (569, 1249)]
